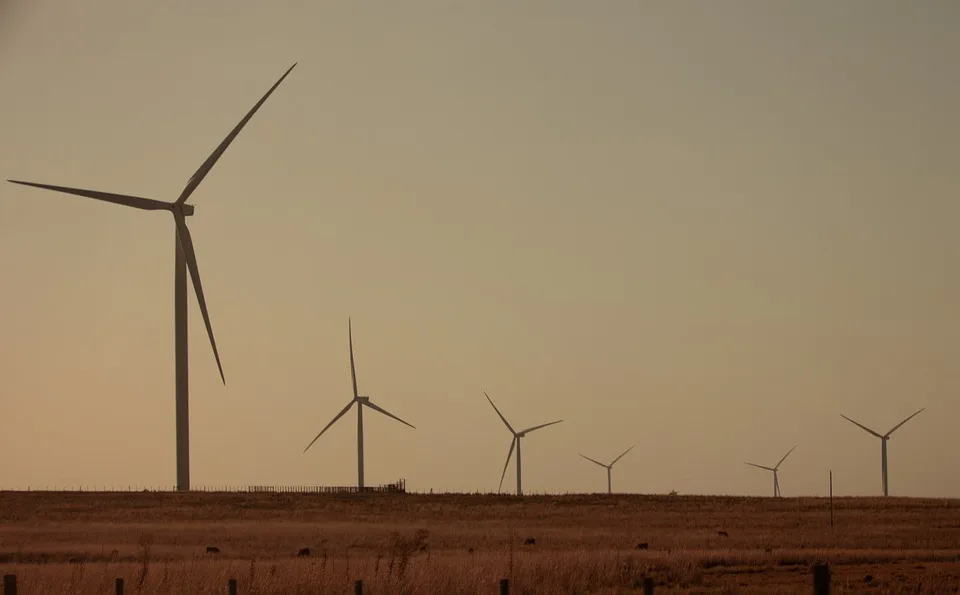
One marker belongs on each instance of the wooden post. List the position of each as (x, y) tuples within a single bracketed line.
[(648, 586), (821, 579), (9, 584), (232, 586), (358, 588), (504, 586), (831, 498), (119, 586)]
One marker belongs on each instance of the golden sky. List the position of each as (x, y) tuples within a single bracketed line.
[(704, 228)]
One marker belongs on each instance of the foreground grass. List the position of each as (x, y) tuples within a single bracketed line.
[(79, 543)]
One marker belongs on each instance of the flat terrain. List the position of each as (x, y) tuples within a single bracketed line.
[(401, 543)]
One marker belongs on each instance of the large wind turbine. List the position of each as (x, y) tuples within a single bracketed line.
[(185, 258), (515, 443), (609, 468), (883, 444), (361, 403), (776, 481)]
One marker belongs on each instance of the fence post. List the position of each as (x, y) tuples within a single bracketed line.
[(821, 579), (648, 586), (358, 588), (831, 498), (504, 586), (119, 586), (232, 586), (9, 584)]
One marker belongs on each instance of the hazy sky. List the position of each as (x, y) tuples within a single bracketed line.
[(704, 228)]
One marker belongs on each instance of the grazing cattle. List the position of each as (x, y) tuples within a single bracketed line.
[(114, 553), (723, 534), (212, 549), (769, 550), (868, 579), (74, 561), (304, 551), (530, 541), (642, 546), (470, 550)]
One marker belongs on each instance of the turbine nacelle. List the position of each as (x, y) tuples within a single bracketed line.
[(186, 209), (363, 399)]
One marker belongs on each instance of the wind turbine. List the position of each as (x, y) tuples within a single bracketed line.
[(185, 258), (883, 444), (515, 443), (776, 481), (609, 468), (361, 403)]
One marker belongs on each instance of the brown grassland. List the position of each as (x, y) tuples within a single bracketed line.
[(59, 542)]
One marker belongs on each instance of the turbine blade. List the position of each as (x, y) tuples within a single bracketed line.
[(353, 367), (201, 173), (540, 426), (593, 461), (385, 412), (509, 427), (505, 465), (863, 427), (147, 204), (191, 256), (903, 422), (333, 421), (785, 457), (621, 456), (760, 466)]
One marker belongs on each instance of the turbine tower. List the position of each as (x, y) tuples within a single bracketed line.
[(361, 403), (883, 445), (515, 443), (776, 481), (609, 468), (185, 259)]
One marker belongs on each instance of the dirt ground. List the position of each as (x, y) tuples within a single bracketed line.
[(57, 542)]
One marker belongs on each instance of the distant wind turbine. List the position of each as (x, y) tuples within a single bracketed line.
[(515, 443), (883, 445), (185, 258), (609, 468), (776, 481), (361, 403)]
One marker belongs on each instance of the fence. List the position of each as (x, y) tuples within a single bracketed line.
[(392, 488), (821, 584), (400, 487)]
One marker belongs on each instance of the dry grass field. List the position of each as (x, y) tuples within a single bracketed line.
[(438, 544)]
